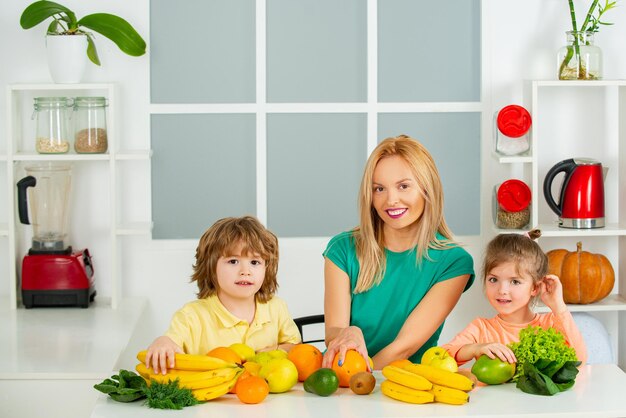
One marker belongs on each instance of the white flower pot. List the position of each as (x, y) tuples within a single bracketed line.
[(67, 57)]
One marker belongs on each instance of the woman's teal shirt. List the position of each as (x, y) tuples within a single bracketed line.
[(382, 310)]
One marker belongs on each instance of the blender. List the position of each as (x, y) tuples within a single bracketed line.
[(52, 273)]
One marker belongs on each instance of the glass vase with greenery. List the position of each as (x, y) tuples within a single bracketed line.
[(580, 59)]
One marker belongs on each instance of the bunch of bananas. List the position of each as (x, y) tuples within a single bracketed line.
[(420, 383), (207, 377)]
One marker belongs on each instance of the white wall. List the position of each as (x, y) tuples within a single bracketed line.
[(520, 42)]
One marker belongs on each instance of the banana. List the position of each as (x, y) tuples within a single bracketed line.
[(448, 395), (194, 362), (210, 393), (147, 372), (405, 394), (192, 380), (406, 378), (441, 377)]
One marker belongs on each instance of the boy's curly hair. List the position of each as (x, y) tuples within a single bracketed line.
[(221, 239)]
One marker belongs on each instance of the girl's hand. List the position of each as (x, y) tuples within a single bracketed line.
[(350, 338), (493, 350), (551, 292), (161, 354)]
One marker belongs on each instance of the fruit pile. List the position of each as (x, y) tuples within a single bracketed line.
[(434, 380)]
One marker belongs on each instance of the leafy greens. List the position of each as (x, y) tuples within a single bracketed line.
[(546, 365)]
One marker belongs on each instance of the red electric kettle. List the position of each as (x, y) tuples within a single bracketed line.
[(581, 203)]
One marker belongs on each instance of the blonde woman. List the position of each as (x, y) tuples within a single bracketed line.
[(391, 282)]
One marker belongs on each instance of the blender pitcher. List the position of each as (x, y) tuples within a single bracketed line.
[(45, 190)]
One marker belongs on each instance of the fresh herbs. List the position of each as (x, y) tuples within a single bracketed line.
[(169, 395), (546, 365), (123, 387), (127, 386)]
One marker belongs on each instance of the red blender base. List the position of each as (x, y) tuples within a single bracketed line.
[(58, 280)]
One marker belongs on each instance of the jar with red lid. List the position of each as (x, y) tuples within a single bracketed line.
[(512, 130), (512, 204)]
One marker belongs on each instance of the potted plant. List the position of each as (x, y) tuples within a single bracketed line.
[(66, 28), (580, 59)]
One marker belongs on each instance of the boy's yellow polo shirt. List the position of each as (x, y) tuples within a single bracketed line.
[(204, 324)]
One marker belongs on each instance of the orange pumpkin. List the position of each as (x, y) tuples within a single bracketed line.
[(586, 277)]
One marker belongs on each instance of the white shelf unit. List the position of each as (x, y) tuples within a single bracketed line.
[(574, 119), (95, 185)]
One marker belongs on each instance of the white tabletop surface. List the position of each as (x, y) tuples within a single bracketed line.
[(600, 391), (65, 343)]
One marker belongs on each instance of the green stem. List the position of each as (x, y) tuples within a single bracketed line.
[(592, 8), (570, 54)]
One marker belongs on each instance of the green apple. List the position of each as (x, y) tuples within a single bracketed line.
[(440, 358), (493, 371), (262, 358), (281, 375), (278, 353)]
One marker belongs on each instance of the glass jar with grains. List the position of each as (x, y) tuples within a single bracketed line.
[(90, 127), (52, 119), (512, 204)]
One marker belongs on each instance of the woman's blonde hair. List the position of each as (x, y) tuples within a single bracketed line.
[(521, 249), (222, 239), (369, 239)]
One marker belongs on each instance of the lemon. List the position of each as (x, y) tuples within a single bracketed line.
[(244, 351)]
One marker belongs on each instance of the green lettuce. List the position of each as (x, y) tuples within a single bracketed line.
[(547, 345)]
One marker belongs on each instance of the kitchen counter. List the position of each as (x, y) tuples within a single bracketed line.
[(598, 392), (50, 358)]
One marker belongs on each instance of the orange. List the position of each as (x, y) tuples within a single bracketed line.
[(353, 363), (225, 354), (307, 359), (400, 363), (246, 374), (252, 389)]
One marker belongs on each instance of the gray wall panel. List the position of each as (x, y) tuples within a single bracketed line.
[(203, 169), (314, 164)]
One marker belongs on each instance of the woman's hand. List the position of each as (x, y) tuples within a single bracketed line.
[(350, 338), (493, 350), (161, 354), (551, 292)]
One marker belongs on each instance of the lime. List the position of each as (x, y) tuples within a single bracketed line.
[(493, 371), (322, 382)]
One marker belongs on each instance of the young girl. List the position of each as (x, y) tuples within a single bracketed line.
[(391, 282), (235, 269), (515, 276)]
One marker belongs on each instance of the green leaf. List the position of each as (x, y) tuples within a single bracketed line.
[(127, 397), (567, 373), (536, 383), (117, 30), (92, 53), (106, 387), (39, 11)]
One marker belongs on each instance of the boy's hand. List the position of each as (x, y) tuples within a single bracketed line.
[(551, 292), (161, 354)]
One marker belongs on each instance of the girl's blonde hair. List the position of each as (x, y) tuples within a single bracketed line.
[(222, 239), (523, 250), (369, 239)]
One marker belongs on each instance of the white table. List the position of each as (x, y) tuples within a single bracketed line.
[(600, 391), (50, 358)]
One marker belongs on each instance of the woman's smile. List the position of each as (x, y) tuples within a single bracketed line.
[(396, 213)]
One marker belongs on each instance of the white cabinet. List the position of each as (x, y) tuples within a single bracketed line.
[(575, 119), (99, 213)]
